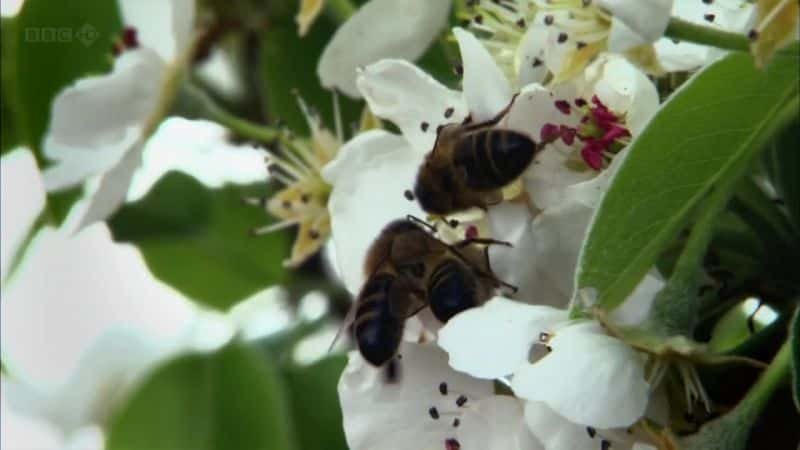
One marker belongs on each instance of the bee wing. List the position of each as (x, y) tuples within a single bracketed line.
[(346, 322)]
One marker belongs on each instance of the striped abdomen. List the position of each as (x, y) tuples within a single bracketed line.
[(377, 328), (493, 158), (451, 289)]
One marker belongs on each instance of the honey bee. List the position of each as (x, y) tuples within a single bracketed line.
[(407, 269), (470, 163)]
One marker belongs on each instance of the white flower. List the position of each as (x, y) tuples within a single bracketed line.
[(428, 406), (563, 36), (100, 124), (572, 366), (84, 320), (380, 29), (727, 15)]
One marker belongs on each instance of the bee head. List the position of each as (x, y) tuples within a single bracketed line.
[(433, 190)]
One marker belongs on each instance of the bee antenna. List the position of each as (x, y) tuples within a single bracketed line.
[(419, 221)]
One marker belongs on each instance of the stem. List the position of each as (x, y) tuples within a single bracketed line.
[(698, 34), (730, 432), (340, 10)]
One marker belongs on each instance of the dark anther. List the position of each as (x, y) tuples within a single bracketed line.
[(521, 23), (479, 19), (313, 234), (443, 388), (537, 62), (592, 432), (408, 195), (548, 20), (562, 37), (752, 34), (605, 445), (709, 17), (424, 126), (448, 112), (456, 422), (305, 198), (434, 413), (452, 444), (461, 400), (580, 44), (453, 223), (708, 2)]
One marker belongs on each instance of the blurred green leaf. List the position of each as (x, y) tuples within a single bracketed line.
[(783, 164), (11, 133), (795, 337), (703, 136), (57, 43), (289, 64), (198, 240), (315, 403), (229, 400)]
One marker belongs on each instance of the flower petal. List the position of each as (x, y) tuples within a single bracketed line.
[(544, 255), (493, 340), (530, 56), (555, 432), (380, 29), (398, 91), (380, 415), (486, 89), (369, 177), (23, 199), (636, 308), (96, 121), (161, 26), (646, 18), (592, 379)]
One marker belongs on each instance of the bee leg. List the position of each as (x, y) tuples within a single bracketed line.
[(494, 120), (415, 219), (485, 241)]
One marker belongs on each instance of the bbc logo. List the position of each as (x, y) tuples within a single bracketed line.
[(86, 35)]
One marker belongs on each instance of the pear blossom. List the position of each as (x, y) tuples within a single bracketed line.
[(100, 124), (380, 29), (726, 15), (75, 345), (428, 406)]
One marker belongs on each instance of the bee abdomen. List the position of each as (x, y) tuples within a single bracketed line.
[(494, 158), (451, 289), (377, 330)]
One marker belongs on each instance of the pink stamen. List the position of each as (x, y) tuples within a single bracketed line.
[(568, 134), (549, 132), (471, 232), (563, 106), (592, 154), (580, 103)]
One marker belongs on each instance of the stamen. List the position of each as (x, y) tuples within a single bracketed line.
[(434, 413), (424, 126), (461, 400), (443, 388), (452, 444), (592, 432)]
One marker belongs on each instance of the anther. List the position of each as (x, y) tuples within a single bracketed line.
[(443, 388), (478, 19), (448, 112), (752, 34), (452, 444), (591, 431), (408, 195), (537, 62), (305, 198), (548, 20), (313, 234), (456, 422), (709, 17), (562, 37), (424, 126), (521, 23), (461, 400), (605, 445), (453, 223), (434, 413), (580, 44)]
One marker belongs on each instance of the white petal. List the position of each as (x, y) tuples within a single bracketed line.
[(18, 427), (162, 26), (398, 91), (531, 50), (549, 178), (95, 122), (380, 29), (200, 149), (497, 422), (110, 193), (544, 255), (369, 177), (555, 432), (23, 199), (622, 38), (590, 378), (646, 18), (636, 308), (76, 288), (486, 88), (380, 415), (625, 90), (493, 340)]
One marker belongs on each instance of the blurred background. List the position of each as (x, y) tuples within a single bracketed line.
[(171, 327)]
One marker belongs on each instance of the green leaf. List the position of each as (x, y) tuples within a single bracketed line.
[(703, 137), (59, 42), (795, 343), (315, 404), (232, 399), (783, 164), (198, 240), (289, 64)]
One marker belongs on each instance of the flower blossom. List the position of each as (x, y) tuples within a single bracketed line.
[(380, 29), (100, 124)]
